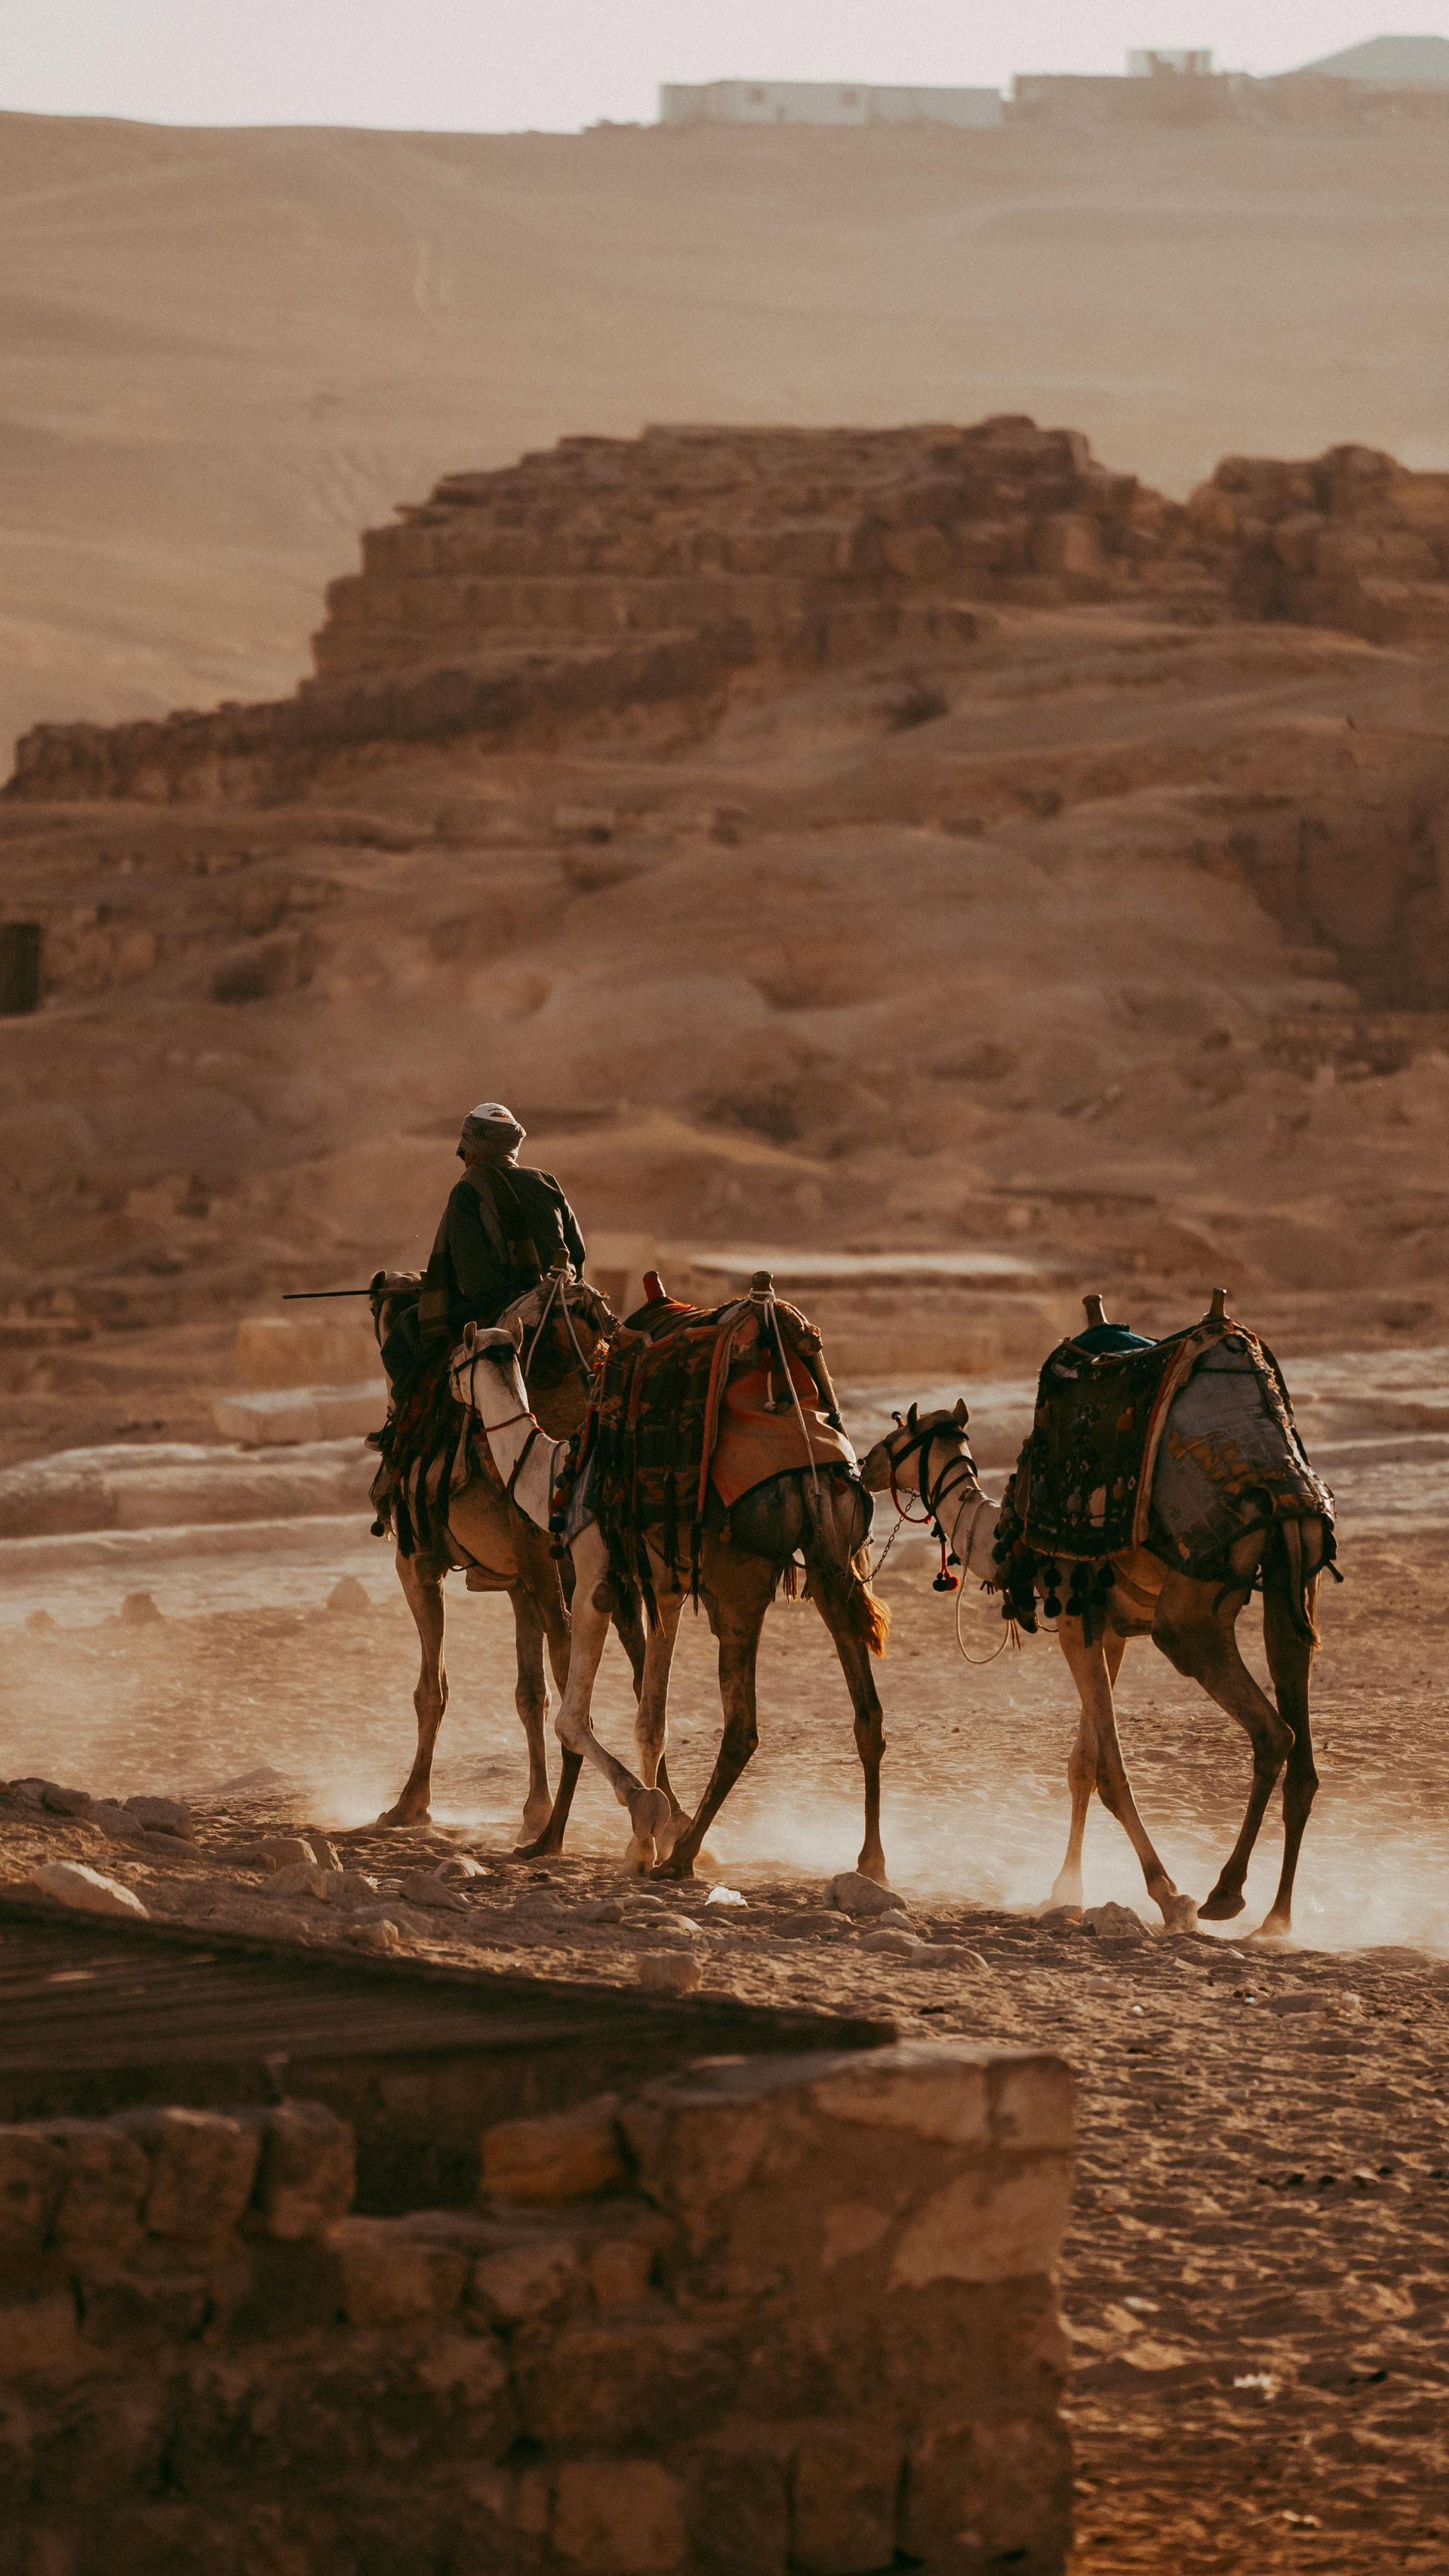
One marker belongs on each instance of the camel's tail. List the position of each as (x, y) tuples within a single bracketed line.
[(872, 1614), (1297, 1579)]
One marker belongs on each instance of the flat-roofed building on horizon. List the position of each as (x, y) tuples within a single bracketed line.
[(741, 102)]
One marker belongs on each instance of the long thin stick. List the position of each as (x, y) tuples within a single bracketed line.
[(296, 1296)]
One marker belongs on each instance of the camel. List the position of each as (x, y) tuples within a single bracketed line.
[(1140, 1593), (479, 1528), (822, 1515)]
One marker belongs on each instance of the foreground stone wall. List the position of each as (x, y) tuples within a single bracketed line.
[(784, 2315)]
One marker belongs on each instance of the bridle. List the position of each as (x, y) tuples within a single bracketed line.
[(959, 1471)]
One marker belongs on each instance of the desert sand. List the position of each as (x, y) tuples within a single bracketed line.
[(1255, 2273), (227, 351), (1069, 932)]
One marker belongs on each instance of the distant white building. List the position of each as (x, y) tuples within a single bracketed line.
[(738, 102)]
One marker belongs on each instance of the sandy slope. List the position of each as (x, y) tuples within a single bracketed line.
[(226, 351)]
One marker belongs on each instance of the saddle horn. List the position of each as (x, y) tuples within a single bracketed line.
[(1095, 1311), (1217, 1311)]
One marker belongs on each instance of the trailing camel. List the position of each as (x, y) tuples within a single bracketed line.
[(816, 1512), (1219, 1442), (451, 1511)]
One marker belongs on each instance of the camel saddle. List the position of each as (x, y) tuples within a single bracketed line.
[(694, 1401), (1179, 1445)]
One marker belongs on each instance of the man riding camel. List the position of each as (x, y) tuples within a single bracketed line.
[(504, 1226)]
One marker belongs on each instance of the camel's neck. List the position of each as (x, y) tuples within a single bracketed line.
[(521, 1452)]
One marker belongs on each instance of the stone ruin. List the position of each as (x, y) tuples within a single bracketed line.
[(781, 2314), (605, 579)]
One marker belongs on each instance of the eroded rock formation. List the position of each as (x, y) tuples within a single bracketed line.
[(604, 577)]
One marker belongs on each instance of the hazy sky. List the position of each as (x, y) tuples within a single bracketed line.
[(481, 65)]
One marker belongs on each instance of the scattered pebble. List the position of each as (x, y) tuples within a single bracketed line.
[(854, 1894), (71, 1883), (140, 1610), (669, 1972)]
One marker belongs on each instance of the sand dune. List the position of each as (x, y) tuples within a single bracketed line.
[(228, 351)]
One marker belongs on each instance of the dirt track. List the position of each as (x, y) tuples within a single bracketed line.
[(1256, 2277)]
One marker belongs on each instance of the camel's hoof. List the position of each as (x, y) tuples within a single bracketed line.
[(1066, 1893), (1272, 1929), (541, 1848), (677, 1866), (533, 1828), (1179, 1914), (1221, 1906), (872, 1866), (401, 1815)]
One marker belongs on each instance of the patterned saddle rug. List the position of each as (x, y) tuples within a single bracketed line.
[(691, 1400), (1181, 1446)]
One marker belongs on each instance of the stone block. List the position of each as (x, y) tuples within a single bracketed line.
[(31, 2174), (307, 2170), (611, 2382), (738, 2507), (845, 2484), (1031, 2100), (536, 2277), (40, 2339), (388, 2276), (987, 2492), (620, 2269), (618, 2517), (203, 2166), (105, 2177), (998, 2222), (562, 2156)]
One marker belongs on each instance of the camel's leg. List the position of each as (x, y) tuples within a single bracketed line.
[(837, 1597), (633, 1638), (1199, 1637), (588, 1636), (651, 1725), (737, 1604), (422, 1582), (1290, 1661), (651, 1732), (1089, 1670), (1082, 1774), (530, 1698)]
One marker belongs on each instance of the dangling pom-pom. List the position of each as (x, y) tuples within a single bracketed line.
[(946, 1583)]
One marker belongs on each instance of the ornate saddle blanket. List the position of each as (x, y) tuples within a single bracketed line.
[(690, 1400), (429, 1447), (1181, 1447)]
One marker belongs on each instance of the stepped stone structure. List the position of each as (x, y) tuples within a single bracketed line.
[(776, 2314), (605, 577)]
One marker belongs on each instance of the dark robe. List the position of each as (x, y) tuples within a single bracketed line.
[(503, 1227)]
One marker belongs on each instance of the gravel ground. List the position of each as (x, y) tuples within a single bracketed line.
[(1256, 2274)]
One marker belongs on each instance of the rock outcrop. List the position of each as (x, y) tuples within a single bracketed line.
[(605, 578), (611, 575)]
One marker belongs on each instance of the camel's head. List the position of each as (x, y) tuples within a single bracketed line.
[(486, 1346), (562, 1324), (910, 1457)]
